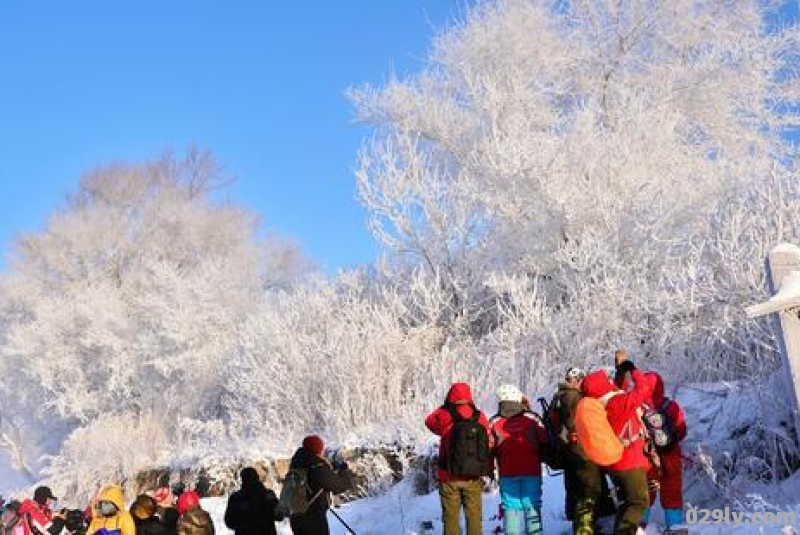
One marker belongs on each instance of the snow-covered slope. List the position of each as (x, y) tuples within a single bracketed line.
[(722, 418), (400, 513)]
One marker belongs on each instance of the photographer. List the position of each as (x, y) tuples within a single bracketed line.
[(74, 521), (323, 479), (39, 516)]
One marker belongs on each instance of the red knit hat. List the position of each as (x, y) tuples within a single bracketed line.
[(314, 444), (188, 500)]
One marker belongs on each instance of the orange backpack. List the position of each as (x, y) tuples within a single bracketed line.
[(595, 435)]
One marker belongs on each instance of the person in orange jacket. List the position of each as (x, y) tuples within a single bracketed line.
[(622, 409)]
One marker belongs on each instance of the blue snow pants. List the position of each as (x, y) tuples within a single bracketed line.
[(522, 504)]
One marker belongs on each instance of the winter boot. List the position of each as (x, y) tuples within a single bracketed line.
[(512, 522), (533, 521), (673, 517), (674, 520), (645, 518), (584, 517)]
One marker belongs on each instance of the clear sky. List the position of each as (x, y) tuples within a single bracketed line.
[(259, 82)]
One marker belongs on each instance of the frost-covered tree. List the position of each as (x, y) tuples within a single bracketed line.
[(128, 301), (580, 144), (561, 178)]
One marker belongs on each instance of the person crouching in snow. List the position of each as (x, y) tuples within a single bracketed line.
[(464, 458), (630, 472), (194, 520), (109, 516), (519, 442), (670, 432)]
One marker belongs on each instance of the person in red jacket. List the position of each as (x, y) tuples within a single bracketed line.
[(455, 489), (520, 440), (38, 515), (671, 473), (623, 410)]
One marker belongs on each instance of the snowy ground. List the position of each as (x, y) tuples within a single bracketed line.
[(712, 412), (400, 513)]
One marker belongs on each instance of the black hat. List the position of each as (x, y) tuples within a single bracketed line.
[(42, 494)]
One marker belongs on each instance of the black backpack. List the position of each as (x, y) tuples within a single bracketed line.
[(469, 452)]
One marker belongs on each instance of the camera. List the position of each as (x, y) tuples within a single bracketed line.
[(178, 489), (74, 521)]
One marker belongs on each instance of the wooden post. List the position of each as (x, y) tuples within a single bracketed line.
[(783, 271)]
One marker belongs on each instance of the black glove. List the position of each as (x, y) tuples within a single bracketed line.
[(626, 367)]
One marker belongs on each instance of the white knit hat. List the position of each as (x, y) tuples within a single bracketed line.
[(509, 393), (575, 373)]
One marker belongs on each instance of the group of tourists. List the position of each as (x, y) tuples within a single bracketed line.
[(251, 510), (161, 512), (611, 423)]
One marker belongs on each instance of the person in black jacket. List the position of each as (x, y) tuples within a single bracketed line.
[(143, 511), (323, 480), (252, 510)]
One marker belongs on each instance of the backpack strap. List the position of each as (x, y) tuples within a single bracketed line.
[(308, 484), (533, 415), (28, 525), (607, 397), (664, 405)]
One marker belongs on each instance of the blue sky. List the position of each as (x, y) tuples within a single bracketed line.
[(258, 82)]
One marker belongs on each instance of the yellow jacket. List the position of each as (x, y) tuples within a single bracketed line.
[(122, 521)]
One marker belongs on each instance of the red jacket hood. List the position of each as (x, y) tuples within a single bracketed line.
[(656, 385), (459, 393), (597, 384)]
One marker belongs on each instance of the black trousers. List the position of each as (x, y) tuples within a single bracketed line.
[(312, 523)]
